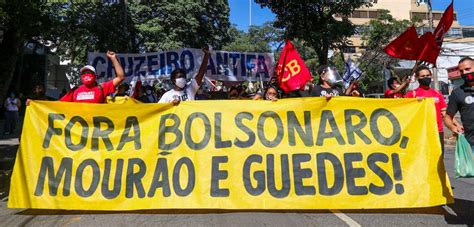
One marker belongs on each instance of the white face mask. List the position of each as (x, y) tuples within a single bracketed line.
[(180, 82)]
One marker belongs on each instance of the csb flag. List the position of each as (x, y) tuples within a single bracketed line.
[(291, 71), (444, 24)]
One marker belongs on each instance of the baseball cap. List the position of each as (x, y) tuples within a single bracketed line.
[(87, 67)]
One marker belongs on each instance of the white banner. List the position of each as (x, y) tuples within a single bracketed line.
[(223, 65)]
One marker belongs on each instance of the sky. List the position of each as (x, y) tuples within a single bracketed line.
[(239, 12)]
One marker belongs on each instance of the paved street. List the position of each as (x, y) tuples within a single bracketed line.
[(459, 213)]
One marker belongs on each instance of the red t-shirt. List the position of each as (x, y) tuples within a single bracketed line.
[(389, 94), (438, 98), (95, 94)]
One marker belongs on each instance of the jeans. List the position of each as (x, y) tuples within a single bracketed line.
[(11, 117)]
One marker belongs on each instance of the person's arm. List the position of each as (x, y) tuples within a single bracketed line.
[(351, 90), (401, 87), (18, 102), (451, 124), (203, 67), (119, 73)]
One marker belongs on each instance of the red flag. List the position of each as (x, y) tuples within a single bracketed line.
[(429, 50), (291, 71), (411, 47), (406, 46), (444, 24)]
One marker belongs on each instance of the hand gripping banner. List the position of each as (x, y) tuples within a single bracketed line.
[(305, 153)]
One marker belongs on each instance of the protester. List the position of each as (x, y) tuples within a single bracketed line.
[(234, 93), (150, 94), (271, 94), (122, 89), (140, 94), (326, 87), (395, 88), (92, 92), (423, 75), (183, 91), (39, 93), (462, 100), (12, 105)]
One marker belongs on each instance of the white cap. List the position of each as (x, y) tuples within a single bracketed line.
[(87, 67)]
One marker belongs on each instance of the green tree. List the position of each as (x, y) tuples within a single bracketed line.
[(76, 28), (164, 25), (257, 39), (314, 22), (20, 22)]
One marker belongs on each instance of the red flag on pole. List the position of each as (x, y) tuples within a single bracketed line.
[(291, 71), (406, 46), (444, 24), (411, 47), (429, 50)]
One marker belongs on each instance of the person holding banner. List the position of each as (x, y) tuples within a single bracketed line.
[(183, 91), (395, 88), (326, 87), (462, 100), (92, 92), (423, 75)]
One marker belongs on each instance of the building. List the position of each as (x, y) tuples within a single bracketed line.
[(457, 37)]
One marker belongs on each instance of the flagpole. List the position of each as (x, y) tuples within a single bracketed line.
[(435, 68)]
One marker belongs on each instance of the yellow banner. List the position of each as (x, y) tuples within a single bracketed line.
[(305, 153)]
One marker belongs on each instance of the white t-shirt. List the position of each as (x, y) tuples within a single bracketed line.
[(186, 94)]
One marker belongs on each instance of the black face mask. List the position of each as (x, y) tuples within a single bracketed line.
[(468, 77), (425, 81)]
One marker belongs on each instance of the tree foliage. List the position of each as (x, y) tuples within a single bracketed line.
[(20, 21), (314, 22), (257, 39), (73, 28), (139, 26)]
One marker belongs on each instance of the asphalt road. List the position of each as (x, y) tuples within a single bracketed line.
[(459, 213)]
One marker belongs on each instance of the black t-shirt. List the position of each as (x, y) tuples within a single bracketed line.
[(463, 101), (318, 91)]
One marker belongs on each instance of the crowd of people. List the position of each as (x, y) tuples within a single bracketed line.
[(461, 99)]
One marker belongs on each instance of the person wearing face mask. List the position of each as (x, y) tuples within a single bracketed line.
[(12, 105), (92, 92), (182, 91), (271, 93), (326, 87), (395, 88), (423, 75), (462, 100)]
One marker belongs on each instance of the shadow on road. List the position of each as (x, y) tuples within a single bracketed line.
[(7, 160)]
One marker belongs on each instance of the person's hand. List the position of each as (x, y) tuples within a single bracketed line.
[(175, 102), (328, 97), (406, 81), (28, 102), (205, 49), (420, 99), (457, 129), (111, 54), (355, 93), (272, 98)]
